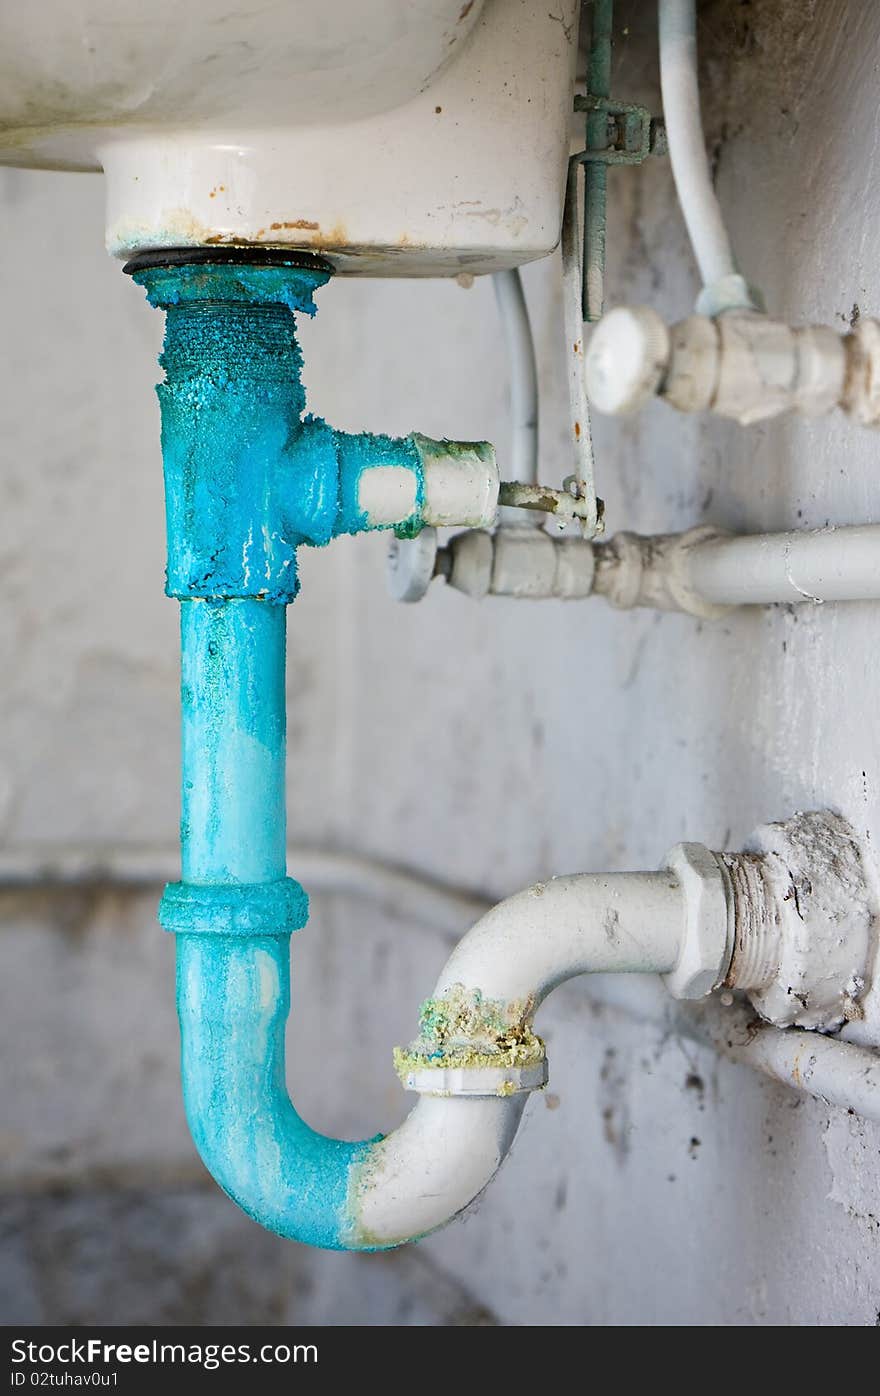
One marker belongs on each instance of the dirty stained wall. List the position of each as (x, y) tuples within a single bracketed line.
[(488, 745)]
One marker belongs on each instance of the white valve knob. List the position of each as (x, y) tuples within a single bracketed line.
[(626, 359)]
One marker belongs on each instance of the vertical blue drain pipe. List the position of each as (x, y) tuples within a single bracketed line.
[(248, 479), (233, 981), (234, 818)]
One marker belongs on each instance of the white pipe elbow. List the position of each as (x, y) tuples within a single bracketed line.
[(475, 1077), (554, 930)]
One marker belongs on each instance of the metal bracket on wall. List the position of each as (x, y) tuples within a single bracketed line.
[(631, 132), (617, 133)]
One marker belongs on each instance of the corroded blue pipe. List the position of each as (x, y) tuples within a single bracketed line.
[(233, 913), (248, 478), (233, 999)]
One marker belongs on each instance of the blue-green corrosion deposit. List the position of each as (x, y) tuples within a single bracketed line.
[(248, 479), (248, 476)]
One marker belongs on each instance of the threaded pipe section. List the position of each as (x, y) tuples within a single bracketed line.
[(228, 340), (756, 928)]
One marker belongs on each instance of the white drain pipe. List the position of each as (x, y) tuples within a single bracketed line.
[(796, 914), (473, 1080)]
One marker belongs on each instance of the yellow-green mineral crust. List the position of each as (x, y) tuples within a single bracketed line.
[(465, 1029)]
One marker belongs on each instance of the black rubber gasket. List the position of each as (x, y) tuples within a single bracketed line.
[(234, 253)]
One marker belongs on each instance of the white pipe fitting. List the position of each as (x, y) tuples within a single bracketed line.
[(654, 570), (803, 922), (790, 922), (522, 562), (705, 949), (703, 572), (477, 1056), (476, 1036), (461, 482), (739, 365)]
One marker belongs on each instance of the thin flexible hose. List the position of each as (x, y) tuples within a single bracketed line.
[(687, 146), (523, 370)]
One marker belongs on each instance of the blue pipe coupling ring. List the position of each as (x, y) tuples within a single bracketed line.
[(234, 909)]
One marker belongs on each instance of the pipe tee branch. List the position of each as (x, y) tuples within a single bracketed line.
[(249, 475)]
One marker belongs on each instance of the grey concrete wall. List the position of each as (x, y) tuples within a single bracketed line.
[(485, 745)]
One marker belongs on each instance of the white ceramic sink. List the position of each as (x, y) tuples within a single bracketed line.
[(394, 136)]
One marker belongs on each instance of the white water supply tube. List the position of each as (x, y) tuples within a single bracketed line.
[(523, 374), (412, 562), (724, 288)]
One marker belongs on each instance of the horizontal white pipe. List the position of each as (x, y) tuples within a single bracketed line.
[(701, 571), (831, 564)]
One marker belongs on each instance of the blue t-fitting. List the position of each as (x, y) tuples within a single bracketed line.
[(248, 476)]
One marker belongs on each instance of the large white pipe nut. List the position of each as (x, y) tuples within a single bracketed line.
[(706, 946)]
